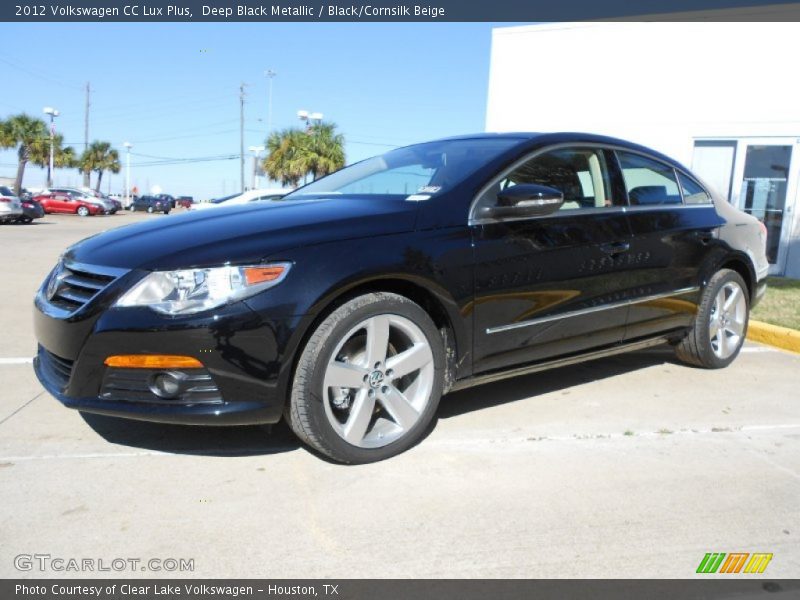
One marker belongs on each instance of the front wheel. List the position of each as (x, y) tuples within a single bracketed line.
[(368, 380), (150, 209), (720, 325), (82, 211)]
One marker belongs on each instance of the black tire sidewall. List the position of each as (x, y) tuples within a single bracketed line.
[(703, 322), (339, 448)]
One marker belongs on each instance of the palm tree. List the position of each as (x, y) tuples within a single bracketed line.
[(286, 161), (63, 157), (296, 153), (327, 149), (99, 157), (26, 134)]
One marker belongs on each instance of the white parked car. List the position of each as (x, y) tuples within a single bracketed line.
[(10, 207), (244, 198)]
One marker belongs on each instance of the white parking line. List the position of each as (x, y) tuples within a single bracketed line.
[(16, 361)]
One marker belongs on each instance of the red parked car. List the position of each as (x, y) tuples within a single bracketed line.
[(64, 203)]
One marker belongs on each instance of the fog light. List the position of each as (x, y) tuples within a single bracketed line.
[(166, 384)]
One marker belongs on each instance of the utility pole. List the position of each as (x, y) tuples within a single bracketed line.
[(86, 130), (241, 137)]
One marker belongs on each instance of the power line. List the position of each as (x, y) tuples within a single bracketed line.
[(38, 74)]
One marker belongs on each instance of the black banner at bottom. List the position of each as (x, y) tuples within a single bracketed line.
[(394, 589)]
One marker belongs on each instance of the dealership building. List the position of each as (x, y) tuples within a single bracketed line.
[(722, 98)]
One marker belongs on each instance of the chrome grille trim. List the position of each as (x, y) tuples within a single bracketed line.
[(76, 284)]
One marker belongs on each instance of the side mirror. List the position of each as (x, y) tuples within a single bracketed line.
[(526, 200)]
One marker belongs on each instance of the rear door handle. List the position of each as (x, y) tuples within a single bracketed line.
[(615, 248)]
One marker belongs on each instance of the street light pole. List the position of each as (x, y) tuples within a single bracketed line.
[(309, 118), (128, 147), (269, 74), (256, 150), (49, 110)]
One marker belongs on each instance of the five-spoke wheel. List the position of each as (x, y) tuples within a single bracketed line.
[(369, 379), (720, 325)]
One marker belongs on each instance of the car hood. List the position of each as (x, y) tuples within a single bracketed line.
[(242, 234)]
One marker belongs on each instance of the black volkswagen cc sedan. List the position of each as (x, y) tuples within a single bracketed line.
[(351, 305)]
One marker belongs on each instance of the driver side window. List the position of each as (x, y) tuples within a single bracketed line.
[(581, 174)]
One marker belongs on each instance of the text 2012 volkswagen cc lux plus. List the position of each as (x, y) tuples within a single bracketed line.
[(351, 305)]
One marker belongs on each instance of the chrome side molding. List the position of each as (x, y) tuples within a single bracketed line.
[(590, 310)]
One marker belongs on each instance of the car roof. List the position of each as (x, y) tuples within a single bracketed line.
[(557, 137)]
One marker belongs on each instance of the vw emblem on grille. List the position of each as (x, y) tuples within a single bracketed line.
[(55, 281), (375, 379)]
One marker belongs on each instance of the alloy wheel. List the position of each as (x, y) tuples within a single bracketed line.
[(727, 320), (378, 381)]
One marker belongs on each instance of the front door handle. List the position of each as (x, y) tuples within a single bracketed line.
[(615, 248), (705, 237)]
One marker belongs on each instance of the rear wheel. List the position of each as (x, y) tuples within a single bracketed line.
[(82, 211), (720, 325), (369, 379), (150, 209)]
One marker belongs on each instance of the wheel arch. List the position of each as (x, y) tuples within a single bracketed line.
[(741, 264), (433, 300)]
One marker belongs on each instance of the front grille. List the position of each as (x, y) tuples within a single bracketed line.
[(55, 368), (72, 286)]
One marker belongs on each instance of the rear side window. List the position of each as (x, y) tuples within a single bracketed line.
[(648, 182), (692, 192)]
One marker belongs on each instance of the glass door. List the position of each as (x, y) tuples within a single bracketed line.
[(760, 177), (768, 188)]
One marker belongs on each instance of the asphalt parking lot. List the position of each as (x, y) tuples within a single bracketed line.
[(632, 466)]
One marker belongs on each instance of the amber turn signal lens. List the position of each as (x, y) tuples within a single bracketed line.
[(153, 361), (254, 275)]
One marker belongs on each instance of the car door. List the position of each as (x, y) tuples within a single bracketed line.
[(62, 203), (673, 224), (554, 285)]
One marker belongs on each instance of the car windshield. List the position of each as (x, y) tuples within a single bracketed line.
[(420, 169), (223, 199), (4, 191)]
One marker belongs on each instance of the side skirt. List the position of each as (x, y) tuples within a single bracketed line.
[(561, 362)]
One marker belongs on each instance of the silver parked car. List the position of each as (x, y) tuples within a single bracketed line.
[(10, 206)]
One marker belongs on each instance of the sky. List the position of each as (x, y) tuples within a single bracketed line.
[(172, 90)]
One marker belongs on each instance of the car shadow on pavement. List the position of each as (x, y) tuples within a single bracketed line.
[(195, 440), (544, 382), (264, 440)]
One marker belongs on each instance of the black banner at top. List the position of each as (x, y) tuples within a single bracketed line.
[(395, 10)]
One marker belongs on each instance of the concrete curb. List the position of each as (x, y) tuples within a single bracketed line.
[(773, 335)]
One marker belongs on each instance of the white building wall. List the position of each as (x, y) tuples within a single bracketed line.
[(659, 84)]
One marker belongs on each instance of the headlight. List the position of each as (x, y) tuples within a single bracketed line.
[(193, 290)]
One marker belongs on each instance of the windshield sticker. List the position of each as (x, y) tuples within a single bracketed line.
[(429, 189), (418, 197)]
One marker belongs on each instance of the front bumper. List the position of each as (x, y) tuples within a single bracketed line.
[(248, 358)]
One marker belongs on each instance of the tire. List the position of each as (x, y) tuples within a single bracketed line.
[(26, 220), (715, 338), (166, 212), (397, 410), (82, 211), (150, 209)]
